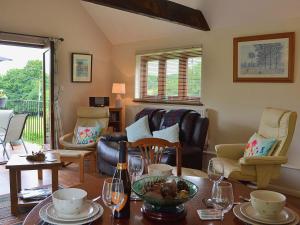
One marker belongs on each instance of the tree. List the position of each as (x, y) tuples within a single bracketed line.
[(23, 84)]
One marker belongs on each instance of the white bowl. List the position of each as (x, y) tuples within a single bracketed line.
[(160, 170), (69, 200), (267, 203)]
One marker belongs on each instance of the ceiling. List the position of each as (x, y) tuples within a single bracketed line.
[(124, 27)]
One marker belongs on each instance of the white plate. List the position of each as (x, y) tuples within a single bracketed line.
[(89, 210), (43, 215), (239, 215), (284, 217)]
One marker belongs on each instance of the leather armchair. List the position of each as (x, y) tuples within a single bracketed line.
[(86, 116), (275, 123)]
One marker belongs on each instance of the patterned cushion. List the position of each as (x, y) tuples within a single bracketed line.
[(259, 146), (87, 135)]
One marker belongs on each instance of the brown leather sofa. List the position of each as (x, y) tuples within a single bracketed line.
[(192, 135)]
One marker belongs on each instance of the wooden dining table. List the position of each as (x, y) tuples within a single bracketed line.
[(93, 185)]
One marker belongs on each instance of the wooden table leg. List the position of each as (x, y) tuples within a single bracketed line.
[(81, 169), (13, 191), (54, 179), (40, 174), (19, 184)]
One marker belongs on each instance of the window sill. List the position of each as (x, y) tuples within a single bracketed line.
[(168, 102)]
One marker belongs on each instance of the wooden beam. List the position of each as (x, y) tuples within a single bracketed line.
[(159, 9)]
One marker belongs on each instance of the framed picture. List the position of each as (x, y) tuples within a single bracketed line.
[(264, 58), (81, 67)]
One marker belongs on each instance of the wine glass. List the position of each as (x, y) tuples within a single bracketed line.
[(135, 169), (113, 193), (215, 172), (223, 197)]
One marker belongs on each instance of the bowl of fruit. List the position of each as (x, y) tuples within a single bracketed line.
[(162, 191)]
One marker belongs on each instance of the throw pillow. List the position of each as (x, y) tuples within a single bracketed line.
[(87, 135), (138, 130), (259, 146), (170, 134)]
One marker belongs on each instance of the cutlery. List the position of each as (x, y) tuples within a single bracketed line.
[(244, 198), (96, 199)]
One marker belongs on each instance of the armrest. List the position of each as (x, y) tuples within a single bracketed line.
[(114, 138), (231, 151), (263, 160), (66, 138)]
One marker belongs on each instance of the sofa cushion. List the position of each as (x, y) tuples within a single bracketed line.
[(232, 170), (170, 134), (138, 130), (87, 135), (259, 146)]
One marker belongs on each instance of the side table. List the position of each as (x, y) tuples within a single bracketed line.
[(18, 163)]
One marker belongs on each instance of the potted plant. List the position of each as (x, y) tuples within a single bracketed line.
[(3, 99)]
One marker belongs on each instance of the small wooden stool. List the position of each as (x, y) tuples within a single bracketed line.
[(78, 156)]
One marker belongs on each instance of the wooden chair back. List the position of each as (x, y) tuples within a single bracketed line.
[(152, 150)]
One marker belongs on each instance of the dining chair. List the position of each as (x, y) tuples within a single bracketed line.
[(14, 132), (152, 150)]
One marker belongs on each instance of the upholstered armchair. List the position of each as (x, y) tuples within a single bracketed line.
[(86, 117), (275, 123)]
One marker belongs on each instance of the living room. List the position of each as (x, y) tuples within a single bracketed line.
[(115, 38)]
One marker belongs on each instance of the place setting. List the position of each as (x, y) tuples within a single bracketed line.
[(70, 206), (263, 208), (266, 207)]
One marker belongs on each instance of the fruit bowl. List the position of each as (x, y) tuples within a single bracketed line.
[(141, 186)]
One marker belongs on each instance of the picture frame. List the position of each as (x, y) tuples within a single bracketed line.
[(264, 58), (82, 67)]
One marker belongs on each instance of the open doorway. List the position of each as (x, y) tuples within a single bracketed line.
[(26, 84)]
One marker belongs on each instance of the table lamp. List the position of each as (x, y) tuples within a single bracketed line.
[(118, 88)]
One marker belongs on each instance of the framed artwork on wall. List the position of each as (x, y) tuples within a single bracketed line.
[(264, 58), (81, 67)]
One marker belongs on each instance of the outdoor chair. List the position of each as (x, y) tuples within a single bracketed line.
[(5, 116), (14, 132)]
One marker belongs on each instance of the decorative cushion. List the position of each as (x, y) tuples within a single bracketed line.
[(259, 146), (170, 134), (87, 135), (138, 130)]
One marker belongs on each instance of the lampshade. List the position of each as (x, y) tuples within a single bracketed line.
[(118, 88)]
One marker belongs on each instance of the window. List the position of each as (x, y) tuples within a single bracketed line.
[(169, 77)]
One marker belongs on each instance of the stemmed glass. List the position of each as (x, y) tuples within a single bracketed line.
[(113, 193), (223, 199), (135, 169), (215, 173)]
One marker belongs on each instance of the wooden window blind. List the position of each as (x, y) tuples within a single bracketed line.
[(170, 77)]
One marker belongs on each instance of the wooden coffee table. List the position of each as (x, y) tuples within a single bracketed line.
[(18, 163), (93, 186)]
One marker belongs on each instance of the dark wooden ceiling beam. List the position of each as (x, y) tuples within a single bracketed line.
[(160, 9)]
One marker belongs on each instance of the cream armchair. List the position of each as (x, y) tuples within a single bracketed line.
[(86, 117), (275, 123), (78, 153)]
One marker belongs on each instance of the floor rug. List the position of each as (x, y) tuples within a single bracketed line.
[(6, 218)]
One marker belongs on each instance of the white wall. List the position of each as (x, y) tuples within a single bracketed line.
[(67, 19), (235, 108)]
